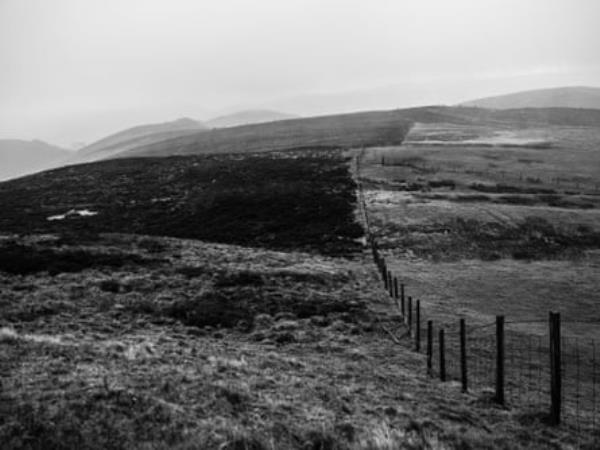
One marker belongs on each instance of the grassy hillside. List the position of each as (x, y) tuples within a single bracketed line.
[(189, 345), (247, 118), (480, 221), (520, 117), (350, 130), (302, 199), (564, 97), (354, 130)]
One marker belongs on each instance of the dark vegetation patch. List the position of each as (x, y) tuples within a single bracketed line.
[(552, 200), (534, 238), (435, 184), (238, 306), (296, 200), (19, 259), (509, 189), (101, 420), (234, 298)]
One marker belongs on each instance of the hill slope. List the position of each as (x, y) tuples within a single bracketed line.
[(265, 200), (138, 136), (248, 117), (374, 128), (18, 157), (347, 130), (565, 97)]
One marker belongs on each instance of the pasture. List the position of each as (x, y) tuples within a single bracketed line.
[(480, 221), (505, 227)]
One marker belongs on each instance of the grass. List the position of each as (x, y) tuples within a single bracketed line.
[(516, 234), (133, 376), (531, 239), (346, 130)]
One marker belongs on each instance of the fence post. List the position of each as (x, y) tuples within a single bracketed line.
[(410, 315), (442, 356), (500, 359), (429, 346), (402, 300), (418, 327), (396, 288), (555, 366), (390, 287), (384, 273), (463, 355)]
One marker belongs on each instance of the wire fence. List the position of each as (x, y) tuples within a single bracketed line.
[(525, 364)]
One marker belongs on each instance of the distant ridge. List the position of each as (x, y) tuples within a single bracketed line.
[(248, 117), (19, 157), (137, 136), (562, 97)]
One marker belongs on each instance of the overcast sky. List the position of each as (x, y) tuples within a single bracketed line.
[(75, 70)]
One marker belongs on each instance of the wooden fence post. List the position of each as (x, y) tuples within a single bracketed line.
[(555, 366), (402, 300), (463, 355), (396, 288), (409, 315), (418, 327), (500, 360), (429, 346), (384, 275), (442, 356), (390, 286)]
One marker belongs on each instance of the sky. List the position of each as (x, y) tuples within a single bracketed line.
[(72, 71)]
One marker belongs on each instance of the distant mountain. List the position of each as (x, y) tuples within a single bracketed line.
[(565, 97), (19, 157), (248, 117), (138, 136)]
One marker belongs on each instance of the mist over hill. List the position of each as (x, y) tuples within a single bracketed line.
[(248, 117), (564, 97), (138, 136), (19, 157)]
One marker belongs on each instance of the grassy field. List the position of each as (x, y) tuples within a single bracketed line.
[(192, 345), (480, 220), (455, 213)]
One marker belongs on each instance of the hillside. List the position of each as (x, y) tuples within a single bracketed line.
[(18, 157), (348, 130), (277, 336), (137, 136), (264, 200), (564, 97), (247, 118), (375, 128)]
